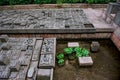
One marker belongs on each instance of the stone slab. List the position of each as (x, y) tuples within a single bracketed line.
[(37, 50), (45, 74), (73, 44), (85, 61), (45, 21), (47, 61)]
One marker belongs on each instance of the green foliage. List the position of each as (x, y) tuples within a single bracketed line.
[(4, 2), (85, 52), (60, 56), (59, 2), (90, 1), (68, 50), (78, 54), (77, 49), (61, 62), (81, 52)]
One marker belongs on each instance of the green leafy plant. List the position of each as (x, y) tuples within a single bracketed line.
[(68, 50), (90, 1), (70, 53), (61, 62), (60, 56), (81, 52), (77, 49), (85, 52)]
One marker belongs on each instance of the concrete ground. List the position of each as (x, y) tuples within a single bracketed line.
[(97, 16)]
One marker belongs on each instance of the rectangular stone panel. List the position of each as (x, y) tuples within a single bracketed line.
[(85, 61), (47, 61), (45, 74)]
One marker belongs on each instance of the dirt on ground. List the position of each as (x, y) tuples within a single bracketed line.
[(106, 63)]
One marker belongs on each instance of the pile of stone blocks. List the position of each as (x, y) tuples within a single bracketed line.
[(27, 58), (95, 46), (14, 58)]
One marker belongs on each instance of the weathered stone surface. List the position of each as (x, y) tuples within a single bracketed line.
[(4, 60), (47, 58), (13, 75), (19, 59), (45, 74), (44, 21), (5, 46), (14, 66), (37, 49), (3, 38), (73, 44), (5, 74), (85, 61), (31, 72), (46, 61), (95, 46)]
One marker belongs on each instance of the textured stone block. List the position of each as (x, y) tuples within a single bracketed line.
[(47, 61), (45, 74), (73, 44), (95, 46), (85, 61)]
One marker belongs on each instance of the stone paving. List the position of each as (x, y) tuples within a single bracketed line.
[(31, 21), (20, 61)]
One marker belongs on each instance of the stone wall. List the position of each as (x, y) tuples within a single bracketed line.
[(64, 36), (38, 6)]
